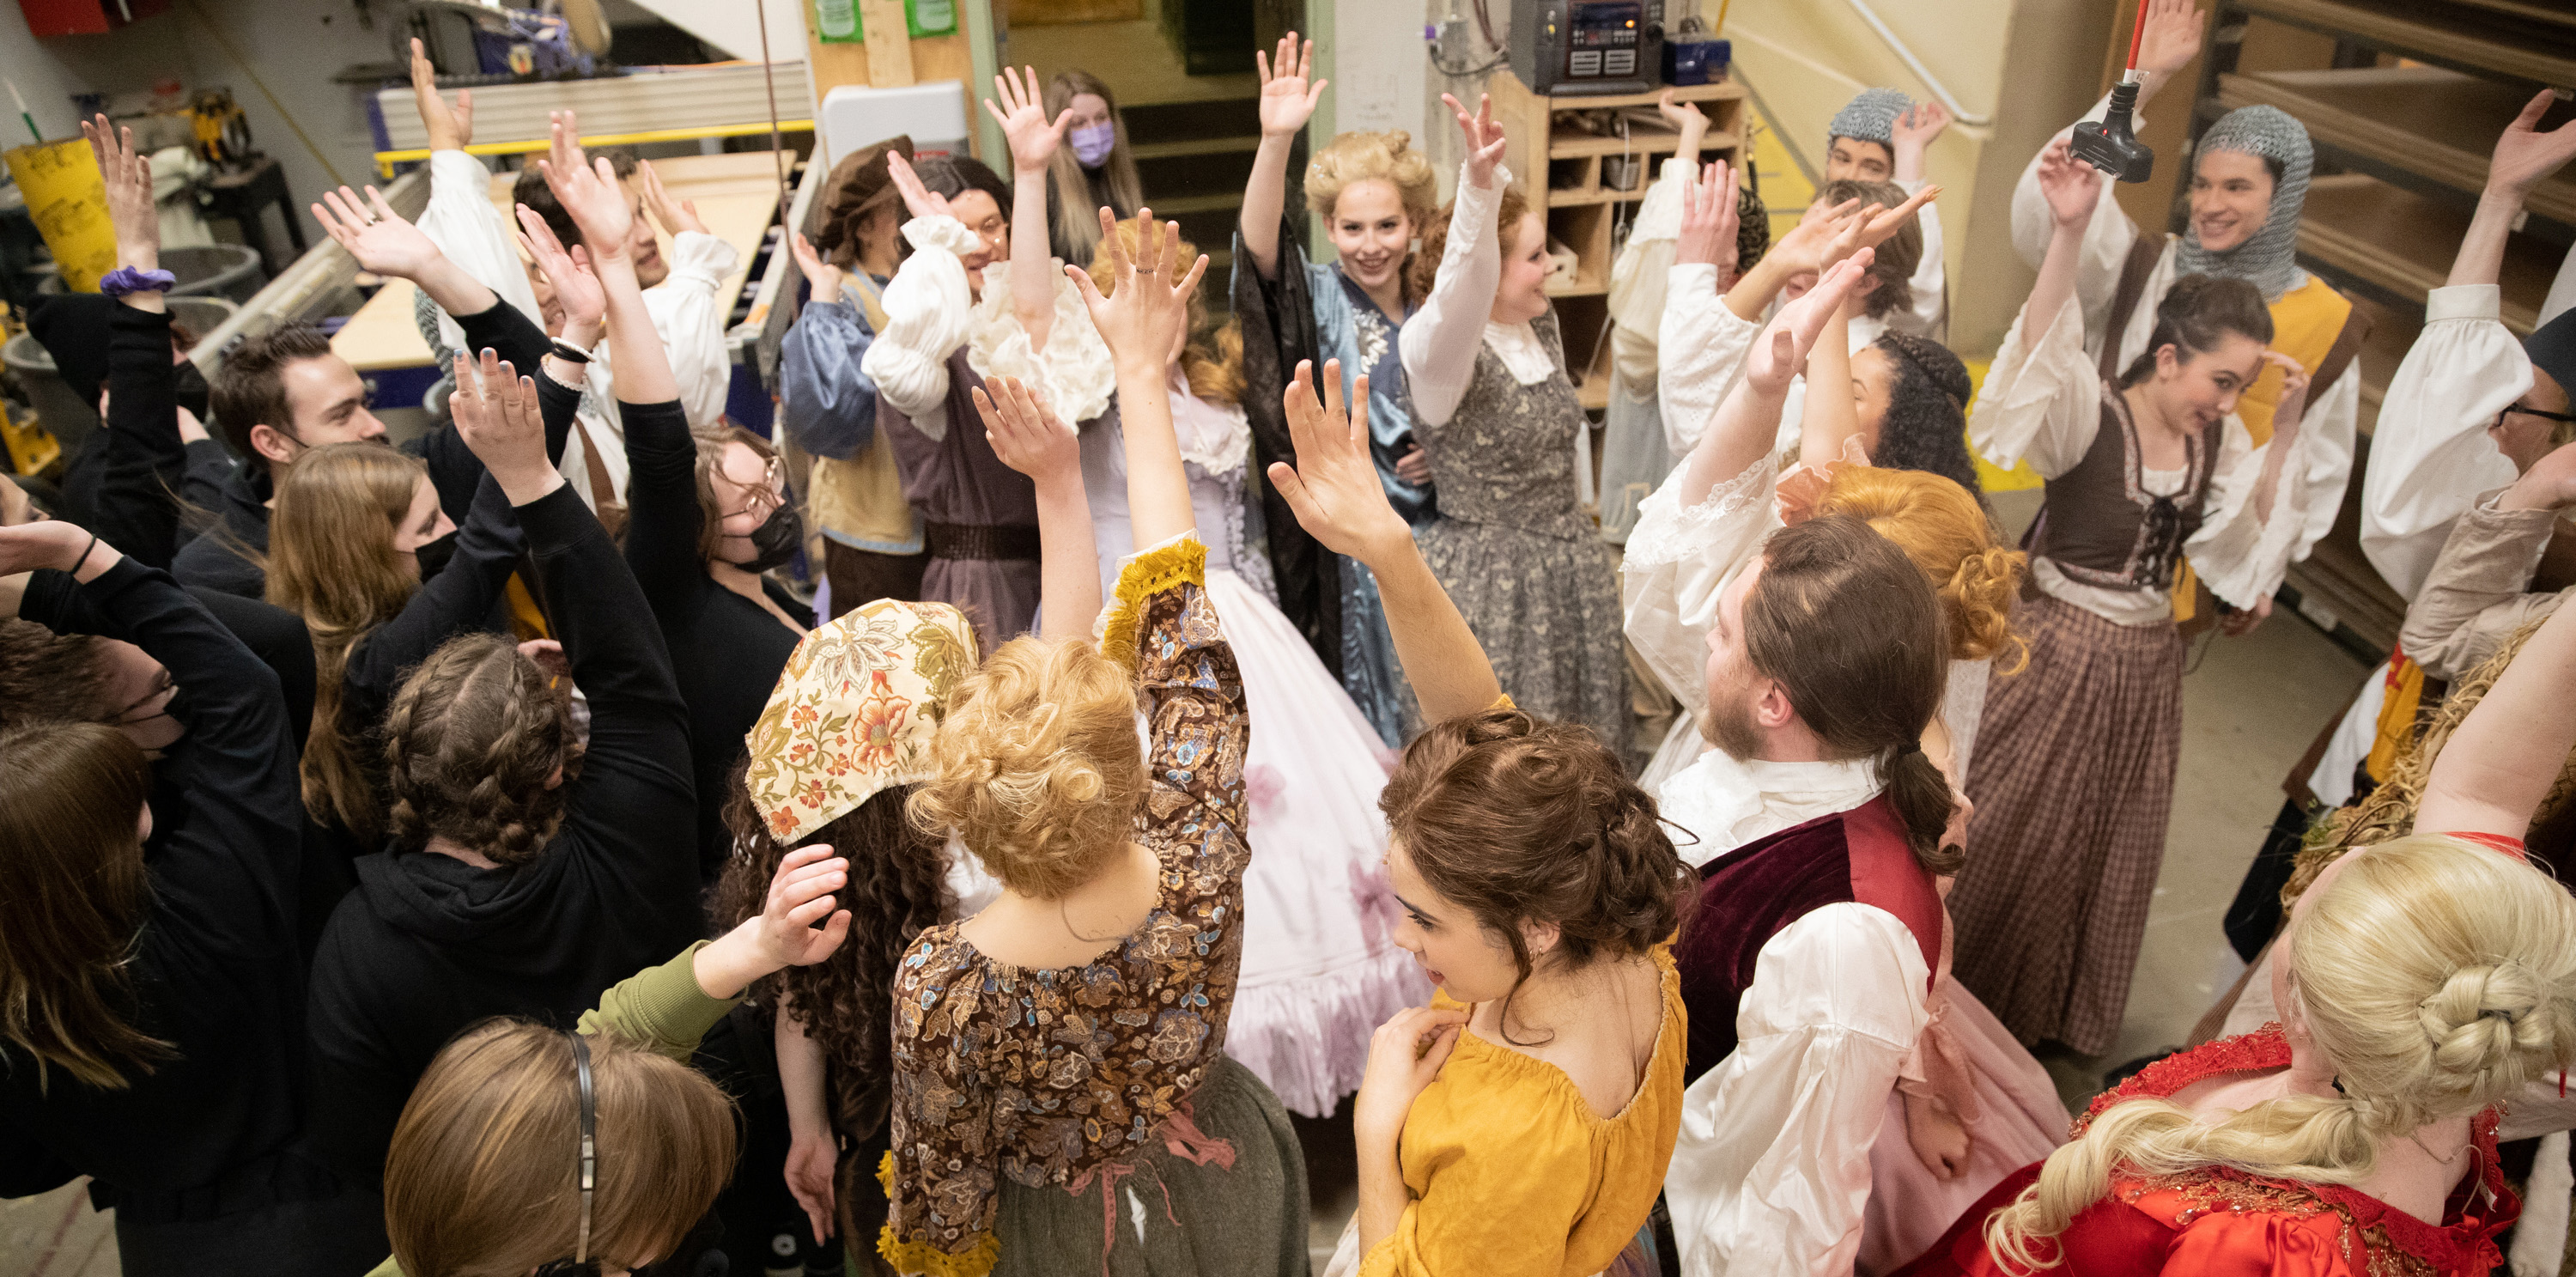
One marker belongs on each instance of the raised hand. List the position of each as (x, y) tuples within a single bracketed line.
[(587, 189), (54, 543), (1287, 97), (1025, 432), (1919, 124), (1709, 220), (576, 286), (821, 274), (675, 216), (1681, 115), (1484, 139), (375, 234), (2524, 154), (2073, 188), (497, 416), (1778, 354), (2294, 393), (1334, 488), (2172, 36), (129, 194), (1142, 318), (1806, 247), (1873, 226), (1023, 118), (448, 130), (919, 200), (799, 897)]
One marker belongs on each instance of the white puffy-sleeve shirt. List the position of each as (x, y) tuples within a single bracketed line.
[(1929, 316), (462, 221), (928, 309), (1699, 348), (2042, 402), (1640, 277), (1677, 563), (1771, 1172), (2431, 455), (1438, 344)]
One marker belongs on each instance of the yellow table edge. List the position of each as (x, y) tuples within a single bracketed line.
[(386, 160)]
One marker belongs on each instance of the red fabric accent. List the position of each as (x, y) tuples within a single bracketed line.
[(2222, 1219), (1182, 1136), (1885, 875), (2493, 842)]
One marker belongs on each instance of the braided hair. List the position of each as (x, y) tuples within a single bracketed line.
[(472, 747), (1926, 427)]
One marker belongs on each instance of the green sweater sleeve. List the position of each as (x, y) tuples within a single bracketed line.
[(661, 1009)]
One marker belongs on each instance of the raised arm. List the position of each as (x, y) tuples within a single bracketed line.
[(1034, 140), (1914, 132), (2523, 156), (1439, 343), (1141, 321), (1748, 421), (926, 307), (1338, 499), (2502, 759), (2070, 186), (1029, 438), (1287, 102), (2171, 40), (588, 190), (1829, 417), (147, 456)]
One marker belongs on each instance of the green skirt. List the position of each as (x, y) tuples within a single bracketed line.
[(1170, 1216)]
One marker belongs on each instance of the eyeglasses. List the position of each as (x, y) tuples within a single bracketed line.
[(769, 494), (2510, 409)]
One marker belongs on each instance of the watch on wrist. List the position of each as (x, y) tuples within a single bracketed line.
[(125, 279)]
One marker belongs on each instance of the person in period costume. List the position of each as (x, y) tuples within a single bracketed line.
[(1095, 169), (827, 403), (1880, 136), (1107, 965), (1320, 971), (2074, 772), (1375, 194), (1486, 383), (2421, 984), (948, 327)]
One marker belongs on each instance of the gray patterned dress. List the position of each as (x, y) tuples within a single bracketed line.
[(1523, 562)]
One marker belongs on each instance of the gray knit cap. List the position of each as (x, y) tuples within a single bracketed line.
[(2267, 259), (1871, 117)]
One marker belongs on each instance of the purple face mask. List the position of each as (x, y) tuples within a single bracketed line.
[(1092, 143)]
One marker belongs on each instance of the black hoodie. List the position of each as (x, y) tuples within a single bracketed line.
[(429, 945)]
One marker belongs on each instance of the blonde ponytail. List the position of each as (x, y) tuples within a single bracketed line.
[(2437, 977)]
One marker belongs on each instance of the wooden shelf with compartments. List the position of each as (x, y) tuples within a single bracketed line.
[(1567, 153)]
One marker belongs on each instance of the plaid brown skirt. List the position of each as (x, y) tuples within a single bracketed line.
[(2073, 778)]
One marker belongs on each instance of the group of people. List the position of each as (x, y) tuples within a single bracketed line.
[(473, 857)]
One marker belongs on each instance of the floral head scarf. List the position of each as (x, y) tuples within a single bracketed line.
[(854, 712)]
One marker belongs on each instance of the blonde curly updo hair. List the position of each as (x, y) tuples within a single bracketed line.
[(2436, 976), (1038, 767), (1387, 157), (1945, 532)]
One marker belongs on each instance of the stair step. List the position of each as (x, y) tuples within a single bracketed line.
[(1166, 122), (1194, 146), (1203, 173)]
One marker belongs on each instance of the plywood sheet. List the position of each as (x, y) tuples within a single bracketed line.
[(736, 195), (2426, 120), (2404, 242), (2449, 36)]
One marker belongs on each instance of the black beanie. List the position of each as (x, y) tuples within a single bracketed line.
[(2552, 348)]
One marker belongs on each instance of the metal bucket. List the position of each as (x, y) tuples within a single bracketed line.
[(58, 408)]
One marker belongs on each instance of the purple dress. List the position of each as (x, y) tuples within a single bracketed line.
[(979, 518)]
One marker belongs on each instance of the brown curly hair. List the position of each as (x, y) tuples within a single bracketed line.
[(471, 744), (1519, 819), (1037, 766), (1424, 267), (897, 886), (1891, 270)]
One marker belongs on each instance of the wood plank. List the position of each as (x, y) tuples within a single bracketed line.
[(1566, 145), (2404, 242), (2433, 33), (2392, 333), (2426, 120), (2527, 9), (736, 195)]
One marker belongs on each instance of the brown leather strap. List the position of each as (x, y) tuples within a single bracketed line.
[(603, 494), (2347, 346), (980, 541), (2124, 302)]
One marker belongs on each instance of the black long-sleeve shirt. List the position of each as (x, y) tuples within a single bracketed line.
[(726, 649), (217, 973), (429, 944), (506, 332)]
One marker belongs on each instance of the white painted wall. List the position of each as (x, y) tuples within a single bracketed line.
[(1378, 67), (733, 26)]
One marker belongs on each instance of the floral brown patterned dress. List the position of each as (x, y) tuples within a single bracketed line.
[(1023, 1097), (1525, 565)]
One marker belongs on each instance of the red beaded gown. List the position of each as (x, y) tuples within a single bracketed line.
[(2221, 1222)]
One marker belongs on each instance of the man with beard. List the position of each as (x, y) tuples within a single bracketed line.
[(1817, 821)]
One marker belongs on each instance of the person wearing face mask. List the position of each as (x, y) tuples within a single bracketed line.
[(1880, 136), (2248, 179), (2077, 753), (1095, 168), (950, 322), (1487, 389), (1375, 194), (148, 857)]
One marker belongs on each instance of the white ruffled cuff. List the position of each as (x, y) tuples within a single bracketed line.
[(1668, 533), (941, 231), (1075, 370), (2244, 560)]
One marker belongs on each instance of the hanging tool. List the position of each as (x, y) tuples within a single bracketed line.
[(2111, 144)]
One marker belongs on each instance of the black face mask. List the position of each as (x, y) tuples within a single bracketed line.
[(433, 556), (192, 392), (776, 540)]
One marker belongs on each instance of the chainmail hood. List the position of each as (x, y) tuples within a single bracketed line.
[(2268, 258), (1871, 117)]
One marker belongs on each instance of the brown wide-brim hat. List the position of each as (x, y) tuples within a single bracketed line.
[(859, 185)]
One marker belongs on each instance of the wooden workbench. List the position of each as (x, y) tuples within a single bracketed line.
[(736, 195)]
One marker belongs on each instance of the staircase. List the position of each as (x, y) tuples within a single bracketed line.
[(1193, 159)]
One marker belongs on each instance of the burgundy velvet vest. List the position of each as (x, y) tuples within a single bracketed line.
[(1754, 892)]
